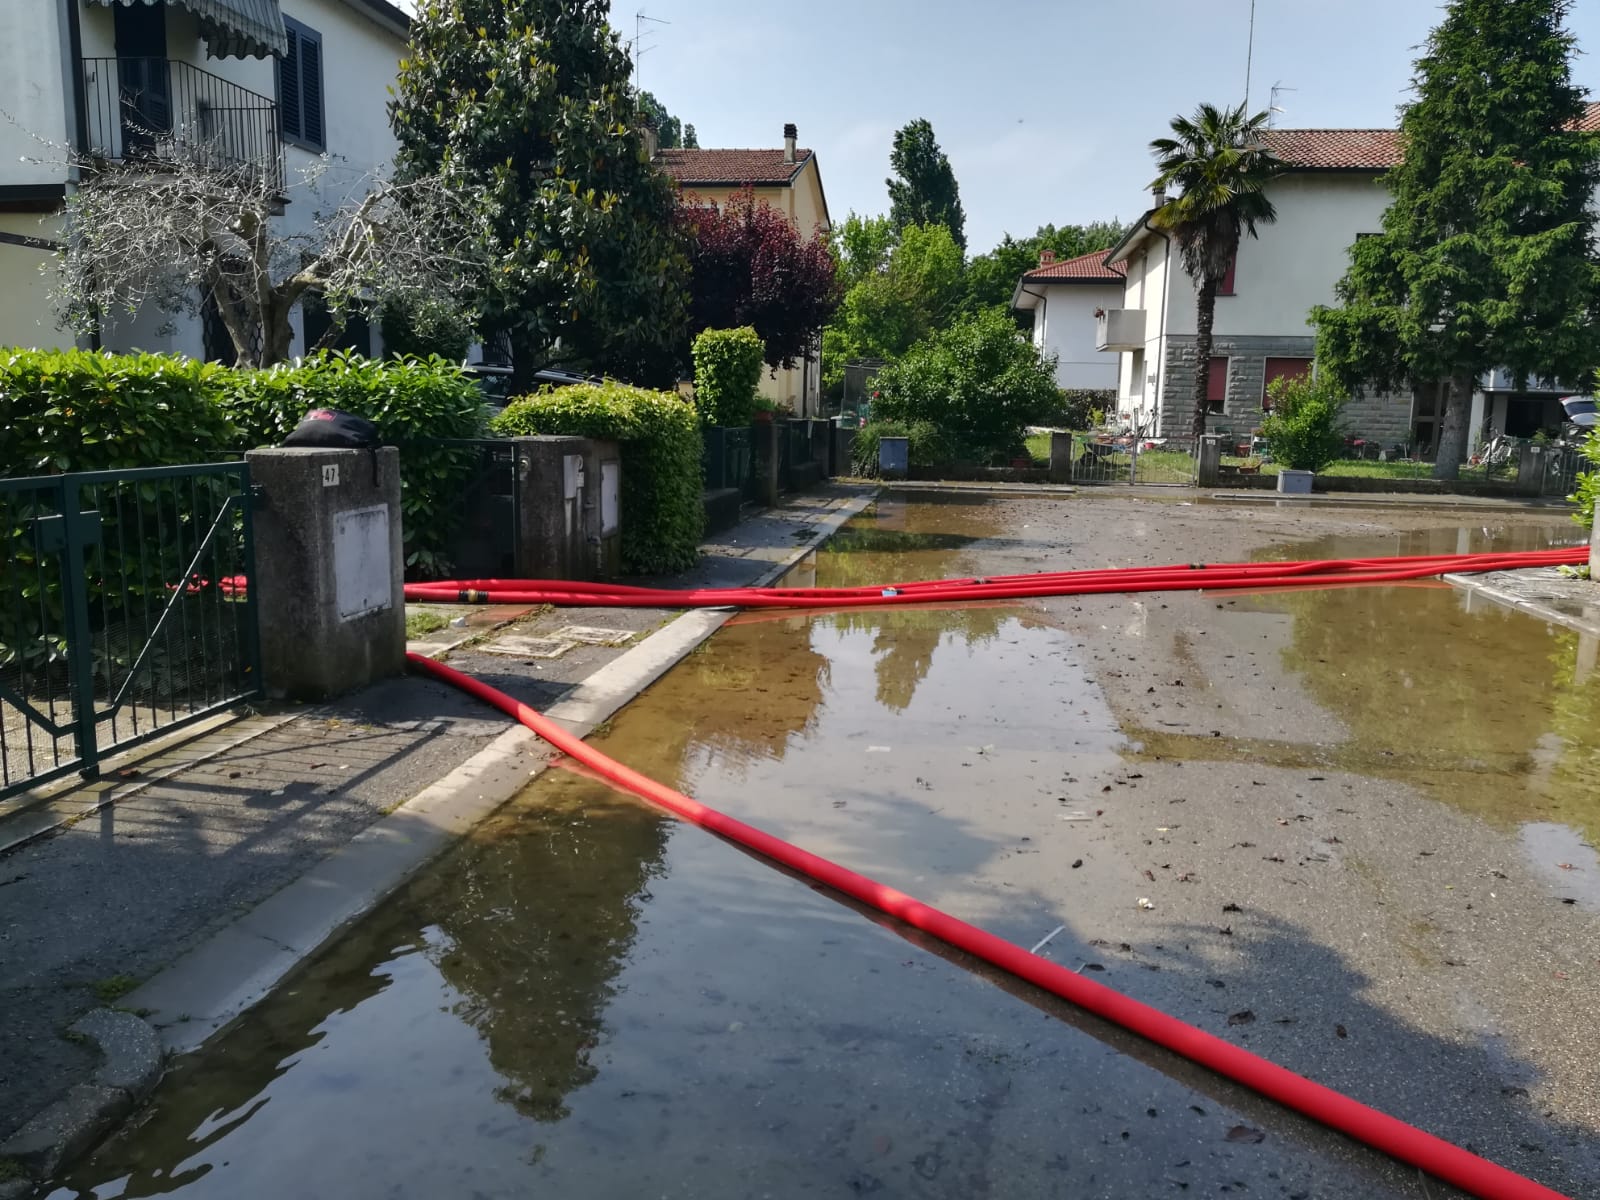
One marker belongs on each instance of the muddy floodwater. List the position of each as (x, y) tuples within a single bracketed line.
[(1349, 829)]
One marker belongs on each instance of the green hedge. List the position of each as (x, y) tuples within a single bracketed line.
[(77, 410), (659, 436), (727, 372), (414, 402), (1588, 490)]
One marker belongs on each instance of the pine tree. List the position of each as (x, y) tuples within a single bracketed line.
[(524, 108), (925, 192), (1486, 254)]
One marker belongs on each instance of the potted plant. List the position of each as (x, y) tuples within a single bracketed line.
[(1303, 431)]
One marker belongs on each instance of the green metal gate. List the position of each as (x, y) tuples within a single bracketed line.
[(123, 612)]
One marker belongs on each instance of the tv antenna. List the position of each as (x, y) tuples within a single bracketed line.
[(1273, 107), (639, 49), (1249, 55)]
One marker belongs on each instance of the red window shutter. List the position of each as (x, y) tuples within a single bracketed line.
[(1225, 287), (1217, 383), (1282, 368)]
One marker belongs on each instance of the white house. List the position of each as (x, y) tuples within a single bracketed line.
[(273, 83), (1330, 195), (1064, 298)]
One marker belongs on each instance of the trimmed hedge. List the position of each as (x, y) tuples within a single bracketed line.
[(659, 436), (77, 410), (414, 402), (727, 372)]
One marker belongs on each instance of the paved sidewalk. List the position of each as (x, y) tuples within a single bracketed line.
[(104, 886)]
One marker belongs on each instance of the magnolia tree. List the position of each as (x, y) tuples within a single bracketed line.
[(751, 266), (195, 231)]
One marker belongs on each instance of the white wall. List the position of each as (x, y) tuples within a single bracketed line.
[(1146, 288), (1063, 325), (33, 91), (27, 316), (360, 62), (1297, 260)]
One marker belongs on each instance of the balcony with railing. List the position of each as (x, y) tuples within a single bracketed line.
[(153, 110)]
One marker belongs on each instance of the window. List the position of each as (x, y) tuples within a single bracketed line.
[(1217, 385), (1225, 285), (1281, 368), (300, 110)]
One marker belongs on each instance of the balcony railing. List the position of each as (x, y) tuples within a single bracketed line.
[(147, 110)]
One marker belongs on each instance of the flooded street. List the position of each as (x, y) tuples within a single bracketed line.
[(1350, 829)]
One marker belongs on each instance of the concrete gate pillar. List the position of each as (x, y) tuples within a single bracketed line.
[(1208, 470), (329, 569)]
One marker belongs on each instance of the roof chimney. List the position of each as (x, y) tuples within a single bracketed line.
[(789, 135), (652, 139), (1158, 194), (1046, 257)]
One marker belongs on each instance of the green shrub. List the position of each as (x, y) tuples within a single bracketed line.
[(928, 447), (414, 402), (977, 381), (727, 372), (1303, 430), (76, 410), (659, 436), (1588, 483), (1081, 408)]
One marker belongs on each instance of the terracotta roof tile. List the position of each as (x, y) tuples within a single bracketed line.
[(1359, 149), (731, 167), (1086, 268)]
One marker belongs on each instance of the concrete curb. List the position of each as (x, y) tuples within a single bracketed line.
[(133, 1063)]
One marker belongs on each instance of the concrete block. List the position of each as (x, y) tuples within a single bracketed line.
[(722, 508), (132, 1060), (1295, 483), (1060, 457), (1594, 553), (329, 569)]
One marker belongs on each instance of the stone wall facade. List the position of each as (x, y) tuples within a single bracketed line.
[(1378, 416)]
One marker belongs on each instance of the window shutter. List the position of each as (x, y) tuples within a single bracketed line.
[(1225, 287), (1281, 368), (311, 124), (1217, 383), (289, 89)]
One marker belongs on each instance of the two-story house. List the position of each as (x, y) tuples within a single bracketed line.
[(274, 84), (1064, 297), (1330, 195), (790, 181)]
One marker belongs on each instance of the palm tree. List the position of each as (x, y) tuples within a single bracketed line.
[(1220, 164)]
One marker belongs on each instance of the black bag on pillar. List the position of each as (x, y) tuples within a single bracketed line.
[(333, 429)]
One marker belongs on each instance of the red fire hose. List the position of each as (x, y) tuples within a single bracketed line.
[(1181, 577), (1367, 1125)]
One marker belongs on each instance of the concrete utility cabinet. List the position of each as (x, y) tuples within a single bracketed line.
[(329, 569), (570, 497), (1208, 471)]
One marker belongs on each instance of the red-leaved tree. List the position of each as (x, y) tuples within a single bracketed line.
[(752, 267)]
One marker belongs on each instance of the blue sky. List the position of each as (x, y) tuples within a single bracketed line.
[(1045, 107)]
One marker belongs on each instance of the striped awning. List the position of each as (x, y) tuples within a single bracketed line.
[(232, 28)]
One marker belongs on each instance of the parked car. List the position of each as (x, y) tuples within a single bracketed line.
[(494, 379), (1583, 412)]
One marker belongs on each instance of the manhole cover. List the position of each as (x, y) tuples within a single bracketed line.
[(521, 646), (593, 635)]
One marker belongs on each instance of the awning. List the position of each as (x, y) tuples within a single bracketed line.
[(232, 28)]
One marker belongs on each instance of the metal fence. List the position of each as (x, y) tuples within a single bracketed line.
[(726, 457), (124, 611), (1101, 458), (486, 506), (146, 109), (1562, 467)]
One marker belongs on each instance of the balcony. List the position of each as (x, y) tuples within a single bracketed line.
[(151, 110), (1119, 329)]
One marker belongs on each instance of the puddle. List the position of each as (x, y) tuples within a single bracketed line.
[(587, 1000)]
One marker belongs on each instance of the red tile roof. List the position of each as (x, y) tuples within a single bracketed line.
[(1086, 268), (732, 168), (1359, 149), (1336, 149)]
